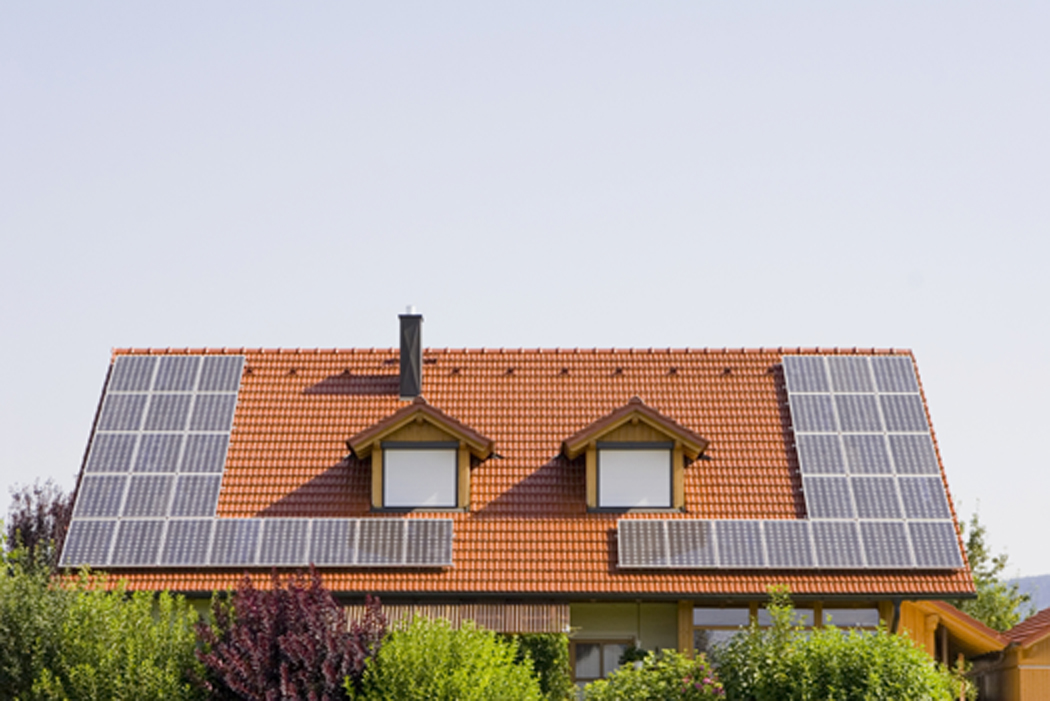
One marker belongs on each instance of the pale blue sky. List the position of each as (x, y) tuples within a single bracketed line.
[(535, 174)]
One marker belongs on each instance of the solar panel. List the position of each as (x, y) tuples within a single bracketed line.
[(828, 497), (332, 542), (111, 452), (137, 543), (122, 412), (132, 373), (813, 413), (429, 542), (196, 495), (205, 453), (148, 495), (642, 543), (867, 454), (894, 374), (167, 412), (936, 544), (690, 543), (221, 373), (858, 412), (235, 541), (381, 541), (213, 412), (158, 452), (739, 543), (850, 374), (788, 544), (87, 543), (177, 373), (885, 543), (924, 497), (100, 495), (904, 412), (186, 543), (283, 542), (876, 497), (914, 455), (819, 454), (837, 544), (805, 373)]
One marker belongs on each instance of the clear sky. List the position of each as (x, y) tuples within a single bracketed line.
[(535, 174)]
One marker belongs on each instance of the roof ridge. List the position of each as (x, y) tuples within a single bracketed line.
[(594, 350)]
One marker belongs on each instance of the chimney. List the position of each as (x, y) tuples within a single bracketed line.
[(411, 353)]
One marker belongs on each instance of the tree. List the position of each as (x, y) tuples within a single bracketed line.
[(998, 605), (37, 521), (289, 642)]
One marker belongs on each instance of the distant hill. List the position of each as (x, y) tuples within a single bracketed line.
[(1038, 587)]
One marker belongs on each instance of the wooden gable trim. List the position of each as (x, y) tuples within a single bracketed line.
[(635, 412), (421, 413)]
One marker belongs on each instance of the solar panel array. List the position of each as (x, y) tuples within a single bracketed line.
[(872, 485), (259, 542), (151, 484)]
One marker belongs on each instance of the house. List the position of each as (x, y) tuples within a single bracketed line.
[(1019, 668), (632, 497)]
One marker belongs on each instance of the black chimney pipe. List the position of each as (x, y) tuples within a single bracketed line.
[(411, 354)]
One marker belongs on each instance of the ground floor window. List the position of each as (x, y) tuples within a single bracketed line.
[(594, 659)]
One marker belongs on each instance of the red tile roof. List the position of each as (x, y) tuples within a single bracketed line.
[(528, 530), (1031, 630)]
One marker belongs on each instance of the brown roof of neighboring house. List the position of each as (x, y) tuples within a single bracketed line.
[(528, 530), (1030, 630)]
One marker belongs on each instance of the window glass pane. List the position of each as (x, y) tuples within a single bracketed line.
[(704, 639), (803, 617), (611, 660), (588, 661), (721, 617), (419, 478), (852, 618), (628, 478)]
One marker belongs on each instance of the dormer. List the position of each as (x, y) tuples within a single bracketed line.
[(635, 458), (421, 459)]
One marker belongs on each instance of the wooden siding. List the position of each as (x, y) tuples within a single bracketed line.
[(502, 618)]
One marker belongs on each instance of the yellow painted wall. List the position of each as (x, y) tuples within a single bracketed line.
[(651, 625)]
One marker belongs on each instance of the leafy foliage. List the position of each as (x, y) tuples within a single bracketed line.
[(430, 660), (548, 653), (289, 642), (37, 520), (786, 663), (998, 605), (665, 675), (77, 640)]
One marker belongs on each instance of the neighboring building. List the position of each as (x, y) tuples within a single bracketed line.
[(642, 496), (1019, 669)]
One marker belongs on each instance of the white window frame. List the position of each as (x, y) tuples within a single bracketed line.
[(396, 447), (652, 447)]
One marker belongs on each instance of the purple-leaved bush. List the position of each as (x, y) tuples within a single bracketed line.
[(288, 642)]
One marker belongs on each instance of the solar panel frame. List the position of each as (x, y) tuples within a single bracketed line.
[(137, 543), (867, 454), (936, 544), (167, 412), (837, 544), (914, 454), (789, 544), (641, 543), (158, 452), (100, 496), (235, 541), (886, 544), (111, 452), (894, 373), (148, 495), (828, 497), (858, 412), (196, 495), (131, 373), (690, 543), (122, 412), (904, 412), (381, 541), (213, 412), (283, 542), (805, 373), (332, 542), (186, 542), (820, 454), (924, 497), (429, 542), (176, 373), (205, 453), (813, 413), (876, 498), (740, 544), (88, 543), (221, 373), (850, 374)]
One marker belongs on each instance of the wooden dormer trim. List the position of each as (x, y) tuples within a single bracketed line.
[(421, 423), (633, 424)]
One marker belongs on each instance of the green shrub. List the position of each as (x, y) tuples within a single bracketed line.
[(786, 663), (548, 653), (666, 675), (431, 660)]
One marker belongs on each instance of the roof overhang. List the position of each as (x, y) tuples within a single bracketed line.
[(363, 443), (693, 444), (973, 635)]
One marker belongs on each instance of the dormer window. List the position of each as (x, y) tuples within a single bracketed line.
[(421, 459), (635, 475), (635, 458)]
